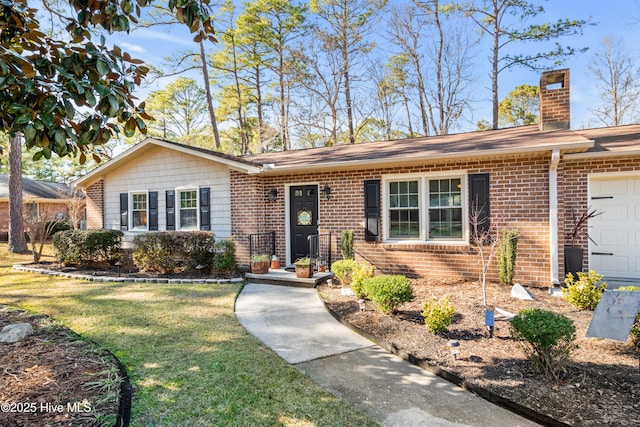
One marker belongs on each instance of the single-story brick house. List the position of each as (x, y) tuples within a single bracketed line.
[(38, 197), (409, 201)]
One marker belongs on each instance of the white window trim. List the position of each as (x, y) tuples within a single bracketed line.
[(423, 203), (131, 194), (177, 192)]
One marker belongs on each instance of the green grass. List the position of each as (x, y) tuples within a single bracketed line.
[(191, 363)]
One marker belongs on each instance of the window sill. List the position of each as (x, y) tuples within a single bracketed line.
[(425, 246)]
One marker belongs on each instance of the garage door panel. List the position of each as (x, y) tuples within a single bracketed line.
[(617, 230), (617, 212), (614, 238), (616, 264), (614, 186)]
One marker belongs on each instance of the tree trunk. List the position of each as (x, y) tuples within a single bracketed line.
[(347, 84), (212, 114), (261, 141), (17, 240), (494, 74)]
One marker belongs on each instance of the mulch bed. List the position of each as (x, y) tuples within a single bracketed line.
[(54, 378), (602, 386)]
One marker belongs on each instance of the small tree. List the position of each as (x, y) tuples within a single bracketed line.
[(39, 223), (75, 208), (485, 242)]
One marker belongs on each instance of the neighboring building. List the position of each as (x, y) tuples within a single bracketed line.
[(37, 197), (409, 201)]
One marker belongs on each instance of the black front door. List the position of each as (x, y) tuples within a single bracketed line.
[(303, 218)]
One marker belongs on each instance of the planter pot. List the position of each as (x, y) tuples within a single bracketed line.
[(303, 272), (275, 264), (260, 267), (573, 258)]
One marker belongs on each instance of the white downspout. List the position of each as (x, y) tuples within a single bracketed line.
[(553, 217)]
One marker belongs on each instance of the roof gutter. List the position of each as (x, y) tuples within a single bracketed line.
[(273, 169), (553, 218), (601, 154)]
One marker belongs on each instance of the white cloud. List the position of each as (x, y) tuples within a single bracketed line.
[(133, 47), (176, 37)]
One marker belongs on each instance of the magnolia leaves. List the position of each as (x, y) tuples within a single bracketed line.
[(67, 97)]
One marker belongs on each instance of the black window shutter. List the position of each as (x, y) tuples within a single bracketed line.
[(153, 210), (205, 211), (372, 210), (124, 211), (479, 201), (171, 210)]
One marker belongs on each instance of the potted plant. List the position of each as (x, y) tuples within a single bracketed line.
[(303, 268), (275, 262), (574, 255), (260, 263)]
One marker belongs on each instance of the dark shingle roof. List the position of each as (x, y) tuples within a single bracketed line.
[(613, 139), (518, 139), (36, 189)]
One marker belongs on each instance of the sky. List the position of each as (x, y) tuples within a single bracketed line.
[(616, 19)]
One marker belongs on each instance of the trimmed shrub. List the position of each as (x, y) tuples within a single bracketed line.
[(85, 247), (361, 272), (388, 291), (224, 259), (174, 251), (343, 270), (507, 248), (438, 315), (584, 293), (634, 334), (346, 244), (550, 339)]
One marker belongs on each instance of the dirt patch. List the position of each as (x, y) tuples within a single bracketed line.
[(601, 388), (53, 378)]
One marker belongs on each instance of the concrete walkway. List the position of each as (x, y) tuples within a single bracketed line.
[(296, 325)]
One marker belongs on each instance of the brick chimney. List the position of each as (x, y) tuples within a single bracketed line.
[(555, 112)]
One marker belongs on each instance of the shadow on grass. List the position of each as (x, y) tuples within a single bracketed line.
[(189, 360)]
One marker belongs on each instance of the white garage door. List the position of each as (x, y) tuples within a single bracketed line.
[(617, 230)]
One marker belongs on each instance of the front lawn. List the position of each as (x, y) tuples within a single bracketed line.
[(190, 362)]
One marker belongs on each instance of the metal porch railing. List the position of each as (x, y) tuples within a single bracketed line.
[(320, 249), (262, 243)]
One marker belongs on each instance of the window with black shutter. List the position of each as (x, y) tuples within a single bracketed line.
[(479, 208), (205, 211), (124, 211), (171, 209), (153, 210), (372, 210)]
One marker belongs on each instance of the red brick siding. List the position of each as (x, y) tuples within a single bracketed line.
[(95, 205), (555, 101), (49, 209), (519, 195), (574, 194), (4, 216), (248, 202)]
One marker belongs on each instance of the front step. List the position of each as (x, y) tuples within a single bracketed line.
[(286, 278)]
